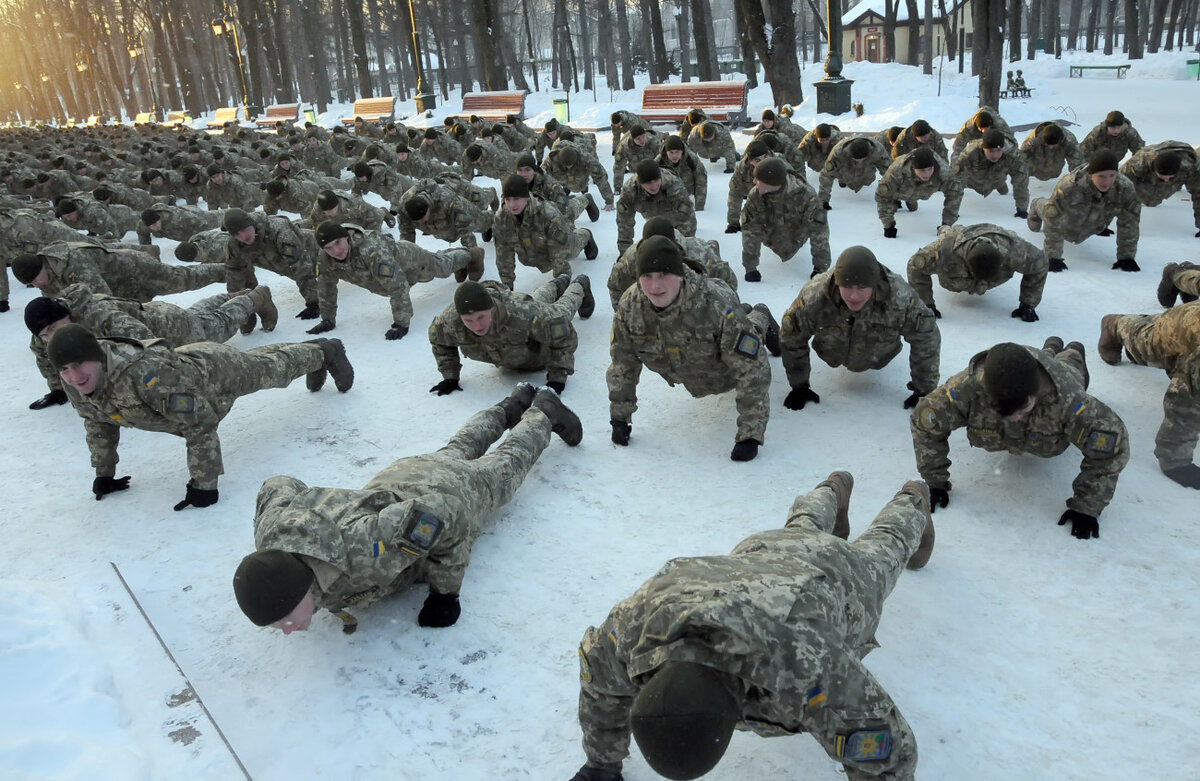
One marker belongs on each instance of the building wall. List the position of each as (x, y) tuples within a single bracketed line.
[(865, 40)]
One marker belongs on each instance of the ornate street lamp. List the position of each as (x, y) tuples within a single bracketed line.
[(225, 25), (137, 48)]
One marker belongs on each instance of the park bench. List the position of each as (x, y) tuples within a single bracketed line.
[(145, 118), (1026, 92), (287, 113), (177, 118), (94, 120), (494, 106), (373, 110), (225, 114), (724, 101), (1077, 70)]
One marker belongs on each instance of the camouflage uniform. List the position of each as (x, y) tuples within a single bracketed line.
[(387, 183), (576, 178), (906, 142), (419, 166), (1064, 415), (790, 613), (627, 156), (483, 198), (784, 127), (353, 209), (278, 246), (693, 119), (213, 319), (784, 220), (671, 201), (703, 257), (210, 245), (233, 192), (691, 171), (450, 217), (1077, 211), (811, 152), (124, 219), (26, 230), (899, 183), (546, 188), (741, 182), (125, 273), (863, 340), (1128, 140), (969, 132), (297, 197), (442, 148), (720, 146), (92, 217), (528, 333), (1046, 162), (947, 257), (703, 341), (628, 122), (983, 176), (540, 238), (365, 545), (840, 166), (179, 222), (321, 157), (496, 161), (185, 392), (564, 133), (384, 266), (137, 198), (1150, 189)]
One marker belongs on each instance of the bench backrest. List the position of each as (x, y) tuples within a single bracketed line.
[(721, 100), (227, 114), (280, 112), (93, 120), (495, 105), (379, 109), (144, 118)]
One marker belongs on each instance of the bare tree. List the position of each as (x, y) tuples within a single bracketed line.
[(949, 30), (1014, 30), (1035, 24), (987, 54), (626, 49), (705, 36), (777, 52), (485, 33), (914, 31), (890, 11), (1110, 29)]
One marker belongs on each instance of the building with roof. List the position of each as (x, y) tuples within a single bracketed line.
[(862, 30)]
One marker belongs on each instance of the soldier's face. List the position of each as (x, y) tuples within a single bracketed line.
[(245, 235), (1114, 130), (71, 217), (1023, 411), (1164, 177), (994, 155), (49, 330), (924, 174), (652, 187), (402, 156), (300, 618), (515, 205), (661, 289), (925, 138), (768, 123), (83, 376), (218, 178), (41, 280), (551, 134), (766, 189), (1103, 180), (285, 165), (641, 140), (674, 155), (478, 323), (855, 297), (156, 227), (526, 173), (338, 249)]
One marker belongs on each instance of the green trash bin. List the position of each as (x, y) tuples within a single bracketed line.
[(562, 109), (310, 116), (1193, 69)]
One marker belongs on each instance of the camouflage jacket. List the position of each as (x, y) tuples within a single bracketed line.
[(703, 257), (180, 222), (525, 335), (968, 132), (376, 263), (540, 237), (233, 192), (721, 145), (1065, 415), (899, 183), (629, 153), (703, 341), (27, 230), (974, 170), (811, 152), (351, 209), (545, 187), (93, 217), (386, 182), (451, 217), (671, 201), (578, 176), (1077, 210), (1046, 162), (298, 198), (497, 161), (741, 182), (442, 148), (783, 219), (1151, 189), (947, 258), (691, 171), (906, 142), (840, 166), (1128, 140), (863, 340), (278, 246)]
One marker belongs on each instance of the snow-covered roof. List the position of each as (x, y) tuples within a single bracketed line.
[(877, 7)]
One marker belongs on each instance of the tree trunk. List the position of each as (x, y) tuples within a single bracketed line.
[(317, 63), (485, 32), (585, 41), (748, 58), (949, 31), (529, 45), (987, 54), (683, 24), (914, 32), (706, 51), (1074, 18), (1035, 25), (623, 42), (1110, 29), (1014, 30), (777, 53), (505, 46), (653, 18), (1176, 12), (358, 48), (341, 48)]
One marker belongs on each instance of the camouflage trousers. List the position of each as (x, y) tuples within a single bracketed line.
[(164, 280), (462, 483), (786, 245), (299, 270), (564, 306), (214, 319), (421, 265)]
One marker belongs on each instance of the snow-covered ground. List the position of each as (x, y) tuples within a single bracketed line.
[(1018, 653)]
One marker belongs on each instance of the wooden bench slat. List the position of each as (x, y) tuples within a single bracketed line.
[(721, 100), (285, 112), (372, 110), (495, 105)]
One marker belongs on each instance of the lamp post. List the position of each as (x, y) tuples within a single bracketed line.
[(225, 24), (137, 48), (833, 91), (425, 98)]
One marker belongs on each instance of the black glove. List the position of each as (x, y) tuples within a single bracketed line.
[(889, 233), (1021, 213), (486, 235), (620, 432), (799, 396), (1026, 313), (1187, 475), (1082, 526), (1198, 234), (1127, 264), (4, 305), (936, 313), (321, 327), (397, 331), (587, 773), (446, 387), (558, 385), (1105, 232), (51, 399), (1057, 264), (439, 610), (916, 396), (827, 206), (735, 228), (745, 450), (938, 497), (309, 312), (109, 485), (197, 497)]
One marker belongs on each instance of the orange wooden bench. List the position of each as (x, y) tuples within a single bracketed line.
[(724, 101), (288, 113), (373, 110), (494, 106)]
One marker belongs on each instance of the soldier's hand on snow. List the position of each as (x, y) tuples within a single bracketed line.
[(198, 497), (3, 304), (102, 486), (936, 313), (588, 773), (620, 432), (1198, 234), (1021, 213), (745, 450), (397, 331), (439, 610), (51, 399), (446, 387), (1187, 475), (1057, 264), (1026, 313), (309, 312), (558, 385), (827, 206), (799, 396), (390, 220), (1105, 232), (609, 207), (1126, 264), (912, 400), (322, 327), (889, 233), (733, 227), (486, 235), (938, 497), (1082, 526)]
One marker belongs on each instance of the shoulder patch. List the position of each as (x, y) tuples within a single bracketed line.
[(926, 323), (1098, 441), (865, 745), (926, 417), (181, 402), (585, 669), (149, 380), (951, 394), (423, 531), (558, 329), (1049, 211), (748, 344), (385, 270)]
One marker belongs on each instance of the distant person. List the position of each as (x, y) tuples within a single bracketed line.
[(1047, 147), (1115, 134)]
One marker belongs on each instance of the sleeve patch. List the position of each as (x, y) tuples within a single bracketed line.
[(423, 531), (865, 745), (1049, 211), (926, 323), (748, 344), (1098, 441), (585, 669), (378, 549), (385, 270), (181, 402), (927, 418), (558, 329), (815, 697)]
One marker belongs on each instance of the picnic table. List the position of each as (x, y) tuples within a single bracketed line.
[(1077, 70)]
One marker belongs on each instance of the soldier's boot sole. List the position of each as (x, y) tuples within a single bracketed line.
[(593, 211), (1110, 344), (474, 270), (920, 491), (563, 421), (315, 379), (515, 403), (338, 365), (251, 321), (1054, 345), (1078, 347), (1167, 292), (771, 338), (561, 283), (265, 307), (588, 305), (1034, 220), (590, 250), (842, 484)]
